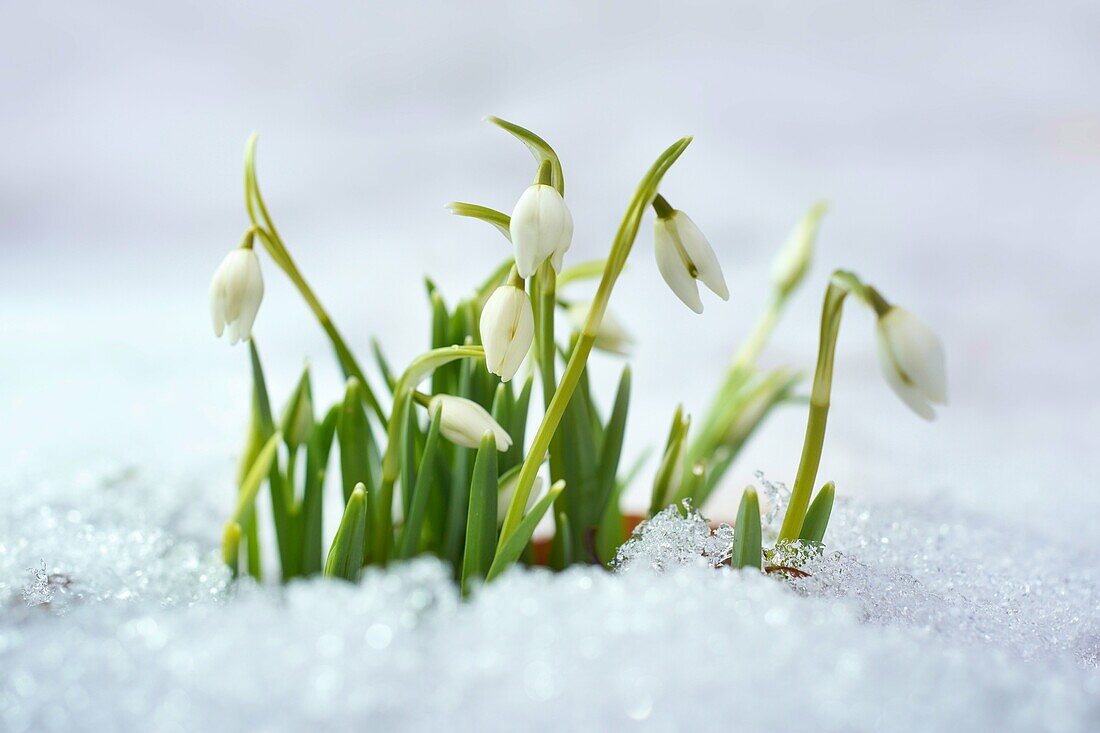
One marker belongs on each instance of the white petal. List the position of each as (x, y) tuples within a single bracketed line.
[(217, 307), (908, 393), (917, 351), (701, 254), (528, 230), (507, 329), (252, 295), (523, 334), (565, 240), (463, 422), (672, 268), (493, 339)]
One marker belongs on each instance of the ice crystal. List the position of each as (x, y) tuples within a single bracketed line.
[(38, 592), (673, 537)]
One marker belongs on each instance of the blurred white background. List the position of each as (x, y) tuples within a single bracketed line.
[(958, 144)]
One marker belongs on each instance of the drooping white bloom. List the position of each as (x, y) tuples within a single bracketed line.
[(508, 488), (684, 256), (463, 422), (541, 227), (235, 294), (911, 357), (507, 330), (611, 336)]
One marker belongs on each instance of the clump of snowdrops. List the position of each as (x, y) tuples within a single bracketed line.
[(436, 458)]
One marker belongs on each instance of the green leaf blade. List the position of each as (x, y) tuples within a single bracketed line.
[(414, 521), (817, 516), (481, 522), (511, 548), (747, 548)]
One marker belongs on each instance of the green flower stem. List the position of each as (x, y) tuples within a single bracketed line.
[(620, 250), (269, 235), (419, 368), (840, 286), (761, 332), (538, 147), (662, 207), (545, 288)]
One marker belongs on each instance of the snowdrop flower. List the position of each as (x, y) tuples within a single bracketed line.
[(684, 256), (235, 293), (507, 330), (541, 227), (508, 488), (611, 336), (911, 357), (463, 422)]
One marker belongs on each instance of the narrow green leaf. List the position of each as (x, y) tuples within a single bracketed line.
[(561, 549), (414, 520), (353, 434), (496, 278), (518, 427), (664, 484), (612, 448), (503, 404), (409, 438), (497, 219), (609, 532), (511, 549), (345, 556), (259, 391), (231, 545), (752, 404), (443, 380), (694, 480), (261, 469), (746, 538), (538, 147), (297, 420), (577, 449), (481, 523), (317, 456), (383, 365), (590, 270), (817, 516), (252, 547)]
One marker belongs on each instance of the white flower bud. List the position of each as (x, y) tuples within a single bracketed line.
[(684, 256), (235, 294), (507, 330), (541, 227), (463, 422), (793, 261), (611, 336), (508, 488), (911, 357)]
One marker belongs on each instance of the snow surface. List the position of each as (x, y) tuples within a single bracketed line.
[(908, 622)]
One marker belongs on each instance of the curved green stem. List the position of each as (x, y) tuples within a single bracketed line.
[(538, 147), (841, 284), (620, 250), (273, 243)]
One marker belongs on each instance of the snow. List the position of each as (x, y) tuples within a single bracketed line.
[(908, 622)]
